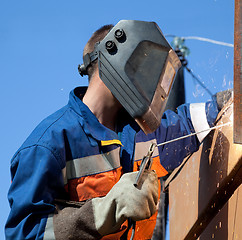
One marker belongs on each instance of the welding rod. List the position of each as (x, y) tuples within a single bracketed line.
[(189, 135)]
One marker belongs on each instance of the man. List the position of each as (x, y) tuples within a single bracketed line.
[(73, 177)]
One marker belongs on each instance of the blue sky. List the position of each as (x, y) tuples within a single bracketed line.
[(41, 44)]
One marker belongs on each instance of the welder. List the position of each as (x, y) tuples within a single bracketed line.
[(73, 176)]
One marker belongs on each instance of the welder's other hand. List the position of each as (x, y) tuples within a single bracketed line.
[(125, 201), (223, 97)]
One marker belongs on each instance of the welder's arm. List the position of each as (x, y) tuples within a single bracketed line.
[(37, 182), (189, 118), (107, 214), (203, 115)]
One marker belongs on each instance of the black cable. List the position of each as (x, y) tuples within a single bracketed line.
[(196, 78), (184, 64)]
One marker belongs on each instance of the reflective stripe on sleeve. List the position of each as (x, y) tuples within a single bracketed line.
[(141, 149), (90, 165), (49, 229), (199, 119)]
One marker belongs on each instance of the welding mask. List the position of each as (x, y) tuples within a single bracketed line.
[(138, 66)]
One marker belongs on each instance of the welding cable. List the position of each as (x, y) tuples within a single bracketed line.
[(184, 61), (202, 39), (184, 64), (208, 40)]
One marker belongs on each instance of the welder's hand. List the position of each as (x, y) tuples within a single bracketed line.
[(126, 201), (223, 97)]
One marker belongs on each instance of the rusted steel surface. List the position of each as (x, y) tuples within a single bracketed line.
[(206, 182), (237, 72), (226, 225)]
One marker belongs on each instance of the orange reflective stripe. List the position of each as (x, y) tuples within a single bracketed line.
[(98, 185)]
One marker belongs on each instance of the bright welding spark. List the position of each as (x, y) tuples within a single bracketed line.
[(224, 81)]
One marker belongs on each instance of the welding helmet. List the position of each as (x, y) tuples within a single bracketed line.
[(138, 66)]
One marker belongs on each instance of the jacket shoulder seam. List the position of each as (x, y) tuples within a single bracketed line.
[(37, 145), (52, 124)]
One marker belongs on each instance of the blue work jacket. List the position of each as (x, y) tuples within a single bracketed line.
[(58, 153)]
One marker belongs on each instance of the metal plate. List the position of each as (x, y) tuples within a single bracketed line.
[(237, 73), (205, 183)]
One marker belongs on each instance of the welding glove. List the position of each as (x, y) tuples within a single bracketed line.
[(223, 97), (125, 201)]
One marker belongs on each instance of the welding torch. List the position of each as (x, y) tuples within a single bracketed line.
[(146, 164)]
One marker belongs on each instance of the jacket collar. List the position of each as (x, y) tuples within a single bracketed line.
[(126, 128), (88, 120)]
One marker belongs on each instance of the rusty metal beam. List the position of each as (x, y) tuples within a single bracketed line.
[(205, 183), (237, 72)]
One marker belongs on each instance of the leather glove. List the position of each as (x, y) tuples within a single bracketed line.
[(125, 201), (223, 97)]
